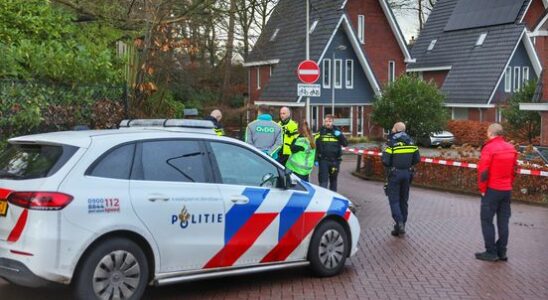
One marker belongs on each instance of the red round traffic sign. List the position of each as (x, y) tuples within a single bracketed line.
[(308, 71)]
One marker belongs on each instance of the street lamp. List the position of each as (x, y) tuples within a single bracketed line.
[(333, 68)]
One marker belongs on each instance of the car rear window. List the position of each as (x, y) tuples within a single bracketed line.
[(30, 161)]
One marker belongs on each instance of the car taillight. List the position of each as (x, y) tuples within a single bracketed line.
[(40, 200)]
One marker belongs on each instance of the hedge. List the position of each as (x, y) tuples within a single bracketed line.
[(527, 188), (473, 132)]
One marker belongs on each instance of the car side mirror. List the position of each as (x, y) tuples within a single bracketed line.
[(268, 180), (289, 181)]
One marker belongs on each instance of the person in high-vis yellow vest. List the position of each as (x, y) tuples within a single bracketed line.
[(290, 131), (303, 152), (216, 117)]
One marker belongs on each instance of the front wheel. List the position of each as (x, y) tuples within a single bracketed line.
[(115, 269), (328, 249)]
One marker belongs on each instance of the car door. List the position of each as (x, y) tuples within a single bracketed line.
[(173, 195), (259, 213)]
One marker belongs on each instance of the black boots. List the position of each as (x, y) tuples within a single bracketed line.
[(486, 256), (399, 229), (502, 255)]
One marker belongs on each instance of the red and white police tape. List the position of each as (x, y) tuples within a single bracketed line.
[(445, 162)]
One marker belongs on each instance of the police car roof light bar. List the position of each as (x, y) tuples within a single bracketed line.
[(183, 123)]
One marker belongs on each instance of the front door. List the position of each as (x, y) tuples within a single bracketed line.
[(173, 195)]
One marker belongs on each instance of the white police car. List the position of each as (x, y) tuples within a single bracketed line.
[(158, 202)]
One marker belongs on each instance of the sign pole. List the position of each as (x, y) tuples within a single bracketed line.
[(308, 57)]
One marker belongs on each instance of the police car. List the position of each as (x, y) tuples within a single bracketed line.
[(158, 202)]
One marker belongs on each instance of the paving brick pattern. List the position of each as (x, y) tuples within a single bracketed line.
[(435, 260)]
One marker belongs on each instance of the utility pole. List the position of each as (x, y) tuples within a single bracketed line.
[(307, 108)]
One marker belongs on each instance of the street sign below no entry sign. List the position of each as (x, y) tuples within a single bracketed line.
[(308, 71)]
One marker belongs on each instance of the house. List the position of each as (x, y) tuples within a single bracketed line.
[(479, 53), (357, 44), (540, 39)]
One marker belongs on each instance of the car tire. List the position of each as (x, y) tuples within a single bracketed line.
[(116, 267), (328, 249)]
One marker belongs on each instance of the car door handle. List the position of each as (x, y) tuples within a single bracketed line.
[(154, 198), (239, 200)]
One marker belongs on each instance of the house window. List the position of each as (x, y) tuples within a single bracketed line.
[(525, 75), (481, 39), (517, 78), (258, 78), (458, 113), (313, 27), (391, 71), (275, 34), (361, 28), (432, 44), (508, 80), (349, 74), (338, 74), (326, 68)]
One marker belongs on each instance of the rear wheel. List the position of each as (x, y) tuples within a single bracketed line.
[(328, 249), (115, 269)]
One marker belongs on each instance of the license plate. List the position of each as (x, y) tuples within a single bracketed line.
[(3, 207)]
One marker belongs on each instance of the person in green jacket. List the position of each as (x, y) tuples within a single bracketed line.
[(303, 152), (289, 133)]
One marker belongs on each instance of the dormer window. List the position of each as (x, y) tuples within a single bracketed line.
[(275, 34), (481, 39), (313, 26), (432, 45)]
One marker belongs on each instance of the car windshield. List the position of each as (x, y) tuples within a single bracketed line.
[(29, 161)]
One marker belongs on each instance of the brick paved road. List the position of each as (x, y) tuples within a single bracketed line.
[(434, 261)]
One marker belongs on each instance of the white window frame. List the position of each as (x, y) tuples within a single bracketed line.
[(508, 80), (525, 75), (270, 71), (361, 28), (338, 71), (391, 71), (326, 73), (313, 27), (258, 78), (432, 45), (275, 34), (517, 79), (481, 39), (349, 82)]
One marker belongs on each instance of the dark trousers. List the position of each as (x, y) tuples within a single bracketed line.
[(398, 193), (303, 177), (328, 172), (282, 158), (495, 202)]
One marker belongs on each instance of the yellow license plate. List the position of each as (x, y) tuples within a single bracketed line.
[(3, 207)]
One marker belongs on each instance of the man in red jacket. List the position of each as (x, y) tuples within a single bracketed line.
[(496, 173)]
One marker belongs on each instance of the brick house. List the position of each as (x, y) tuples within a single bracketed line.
[(479, 53), (540, 38), (357, 44)]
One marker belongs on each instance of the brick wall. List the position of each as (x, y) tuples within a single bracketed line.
[(438, 77), (536, 9), (380, 45), (544, 128), (254, 93)]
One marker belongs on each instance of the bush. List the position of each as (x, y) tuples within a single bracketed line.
[(524, 124), (413, 101), (468, 132)]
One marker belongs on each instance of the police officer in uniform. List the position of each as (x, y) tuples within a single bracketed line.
[(329, 153), (399, 157), (290, 131), (216, 117), (303, 152)]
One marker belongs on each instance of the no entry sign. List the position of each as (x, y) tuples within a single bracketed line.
[(308, 71)]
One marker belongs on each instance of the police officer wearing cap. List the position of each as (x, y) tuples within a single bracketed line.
[(329, 153), (399, 157)]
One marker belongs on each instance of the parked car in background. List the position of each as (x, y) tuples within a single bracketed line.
[(533, 154), (442, 138)]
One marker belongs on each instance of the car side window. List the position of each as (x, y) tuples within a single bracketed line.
[(116, 163), (241, 166), (173, 160)]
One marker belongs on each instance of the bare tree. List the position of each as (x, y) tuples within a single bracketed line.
[(421, 8)]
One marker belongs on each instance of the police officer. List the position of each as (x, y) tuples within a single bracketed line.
[(290, 130), (216, 117), (399, 157), (303, 152), (329, 153), (264, 134)]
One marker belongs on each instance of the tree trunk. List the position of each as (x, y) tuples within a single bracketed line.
[(229, 50)]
